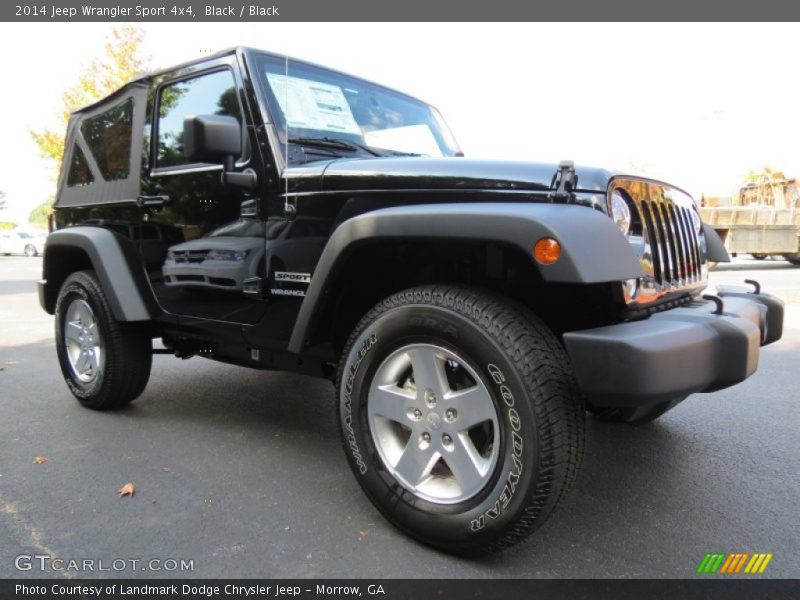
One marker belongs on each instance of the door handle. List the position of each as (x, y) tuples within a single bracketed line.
[(143, 201)]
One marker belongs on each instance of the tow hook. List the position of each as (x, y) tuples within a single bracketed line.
[(755, 284), (720, 305)]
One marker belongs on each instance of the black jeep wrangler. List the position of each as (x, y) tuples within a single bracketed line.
[(275, 214)]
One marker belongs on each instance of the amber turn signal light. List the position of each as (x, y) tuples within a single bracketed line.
[(546, 251)]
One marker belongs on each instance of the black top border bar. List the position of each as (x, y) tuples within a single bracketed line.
[(187, 11)]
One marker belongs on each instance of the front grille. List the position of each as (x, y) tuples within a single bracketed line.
[(673, 243), (663, 236), (189, 256)]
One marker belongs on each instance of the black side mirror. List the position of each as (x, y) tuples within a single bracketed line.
[(217, 139), (212, 138)]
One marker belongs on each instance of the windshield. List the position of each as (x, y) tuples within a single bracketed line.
[(240, 228), (310, 102)]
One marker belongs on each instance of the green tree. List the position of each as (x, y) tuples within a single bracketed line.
[(120, 62), (38, 216)]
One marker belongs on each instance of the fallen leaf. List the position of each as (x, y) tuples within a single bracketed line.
[(129, 489), (166, 470), (363, 534), (288, 528), (39, 460)]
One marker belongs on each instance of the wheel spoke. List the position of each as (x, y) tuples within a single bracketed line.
[(93, 359), (474, 406), (82, 362), (415, 463), (467, 466), (72, 332), (390, 402), (84, 315), (428, 369)]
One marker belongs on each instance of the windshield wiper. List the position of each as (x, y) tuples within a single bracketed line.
[(326, 142), (337, 144)]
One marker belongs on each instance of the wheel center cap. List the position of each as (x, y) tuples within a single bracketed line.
[(434, 420)]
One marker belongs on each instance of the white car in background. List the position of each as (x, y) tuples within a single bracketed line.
[(22, 242), (221, 260)]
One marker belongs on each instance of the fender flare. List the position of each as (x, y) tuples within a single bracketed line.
[(715, 247), (593, 249), (116, 267)]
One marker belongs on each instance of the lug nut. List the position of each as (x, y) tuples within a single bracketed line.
[(426, 437), (446, 439), (451, 414), (430, 398), (416, 414)]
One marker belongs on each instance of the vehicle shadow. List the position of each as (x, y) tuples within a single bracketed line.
[(231, 396)]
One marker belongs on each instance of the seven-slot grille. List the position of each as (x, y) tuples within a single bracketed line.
[(189, 256), (674, 248)]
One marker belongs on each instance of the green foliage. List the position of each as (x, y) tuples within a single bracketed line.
[(38, 216), (6, 226), (120, 62)]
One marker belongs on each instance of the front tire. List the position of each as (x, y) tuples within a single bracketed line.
[(460, 417), (31, 251), (106, 363)]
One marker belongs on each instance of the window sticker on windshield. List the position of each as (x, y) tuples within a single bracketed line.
[(416, 139), (310, 104)]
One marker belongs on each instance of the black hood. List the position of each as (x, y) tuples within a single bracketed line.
[(419, 173)]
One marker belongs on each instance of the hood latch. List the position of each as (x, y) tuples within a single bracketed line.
[(564, 181)]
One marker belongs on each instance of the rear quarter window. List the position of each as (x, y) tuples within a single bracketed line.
[(79, 173), (108, 136)]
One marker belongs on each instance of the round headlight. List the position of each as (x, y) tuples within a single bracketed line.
[(620, 212)]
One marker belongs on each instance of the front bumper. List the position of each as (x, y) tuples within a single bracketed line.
[(677, 352)]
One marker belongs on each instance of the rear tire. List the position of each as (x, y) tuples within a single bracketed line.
[(635, 415), (793, 258), (30, 250), (495, 441), (106, 363)]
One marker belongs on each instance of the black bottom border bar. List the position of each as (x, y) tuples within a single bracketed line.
[(398, 589)]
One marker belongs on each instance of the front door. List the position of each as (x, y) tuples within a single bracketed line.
[(201, 241)]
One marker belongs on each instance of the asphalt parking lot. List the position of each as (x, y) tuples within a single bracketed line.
[(242, 473)]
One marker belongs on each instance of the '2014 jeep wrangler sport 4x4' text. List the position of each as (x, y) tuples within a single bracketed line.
[(278, 215)]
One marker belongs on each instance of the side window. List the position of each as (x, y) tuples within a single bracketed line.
[(211, 94), (79, 173), (108, 136)]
